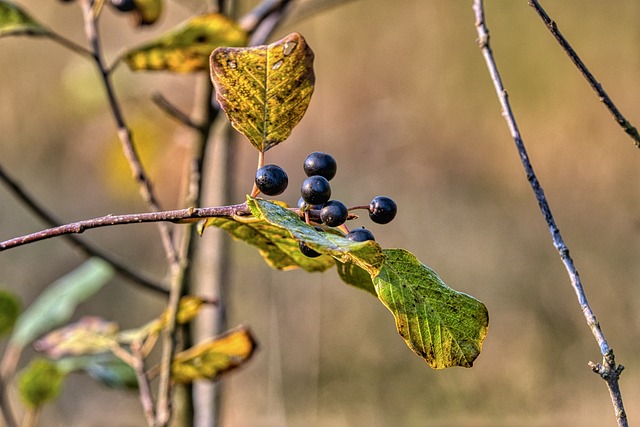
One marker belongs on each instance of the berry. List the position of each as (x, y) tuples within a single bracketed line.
[(123, 5), (307, 251), (382, 210), (271, 180), (302, 205), (334, 213), (322, 164), (316, 190), (360, 235)]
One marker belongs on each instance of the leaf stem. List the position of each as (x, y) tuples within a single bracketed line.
[(609, 371), (595, 85)]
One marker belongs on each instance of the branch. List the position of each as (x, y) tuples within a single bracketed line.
[(595, 85), (608, 371), (176, 216), (86, 248)]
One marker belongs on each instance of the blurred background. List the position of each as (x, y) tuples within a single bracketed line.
[(404, 102)]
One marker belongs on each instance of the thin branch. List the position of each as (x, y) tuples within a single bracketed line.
[(174, 112), (608, 371), (595, 85), (69, 44), (5, 407), (85, 247)]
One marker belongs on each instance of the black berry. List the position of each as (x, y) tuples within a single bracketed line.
[(307, 251), (302, 205), (360, 235), (123, 5), (322, 164), (271, 180), (316, 190), (334, 213), (382, 210)]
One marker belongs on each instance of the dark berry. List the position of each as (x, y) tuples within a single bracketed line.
[(302, 205), (360, 235), (307, 251), (271, 180), (316, 190), (382, 210), (334, 213), (123, 5), (322, 164)]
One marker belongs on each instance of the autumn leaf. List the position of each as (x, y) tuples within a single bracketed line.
[(264, 90), (15, 21)]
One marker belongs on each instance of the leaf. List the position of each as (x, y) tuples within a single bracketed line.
[(264, 90), (57, 303), (187, 48), (147, 12), (443, 326), (105, 368), (9, 311), (212, 358), (353, 275), (274, 243), (367, 255), (40, 382), (90, 335), (15, 21)]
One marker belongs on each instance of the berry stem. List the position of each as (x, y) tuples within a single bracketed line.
[(354, 208), (255, 191)]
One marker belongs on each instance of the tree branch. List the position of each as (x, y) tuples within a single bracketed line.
[(595, 85), (608, 370)]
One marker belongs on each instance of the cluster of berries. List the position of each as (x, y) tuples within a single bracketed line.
[(315, 193)]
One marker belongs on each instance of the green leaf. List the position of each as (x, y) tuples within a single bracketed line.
[(15, 21), (105, 368), (9, 311), (40, 382), (57, 303), (212, 358), (264, 90), (443, 326), (187, 48), (274, 243), (367, 255), (356, 276)]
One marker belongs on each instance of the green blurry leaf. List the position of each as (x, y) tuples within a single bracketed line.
[(147, 12), (274, 243), (105, 368), (353, 275), (57, 303), (9, 311), (14, 21), (367, 255), (90, 335), (187, 48), (40, 382), (264, 90), (210, 359), (443, 326)]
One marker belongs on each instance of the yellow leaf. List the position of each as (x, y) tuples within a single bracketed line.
[(147, 12), (264, 90), (212, 358), (187, 48)]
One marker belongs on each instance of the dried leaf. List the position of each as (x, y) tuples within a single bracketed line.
[(147, 12), (90, 335), (264, 90)]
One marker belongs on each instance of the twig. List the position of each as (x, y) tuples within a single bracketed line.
[(174, 112), (595, 85), (5, 408), (86, 248), (608, 370), (143, 383), (69, 44)]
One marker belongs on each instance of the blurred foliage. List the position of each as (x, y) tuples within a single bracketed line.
[(40, 383), (405, 104), (9, 311)]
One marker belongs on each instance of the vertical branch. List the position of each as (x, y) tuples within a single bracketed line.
[(609, 371)]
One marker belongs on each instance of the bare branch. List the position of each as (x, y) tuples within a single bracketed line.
[(609, 371), (595, 85)]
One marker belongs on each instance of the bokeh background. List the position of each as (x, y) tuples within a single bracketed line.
[(405, 104)]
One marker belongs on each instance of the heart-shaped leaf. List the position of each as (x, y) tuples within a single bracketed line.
[(15, 21), (264, 90), (187, 48), (443, 326)]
